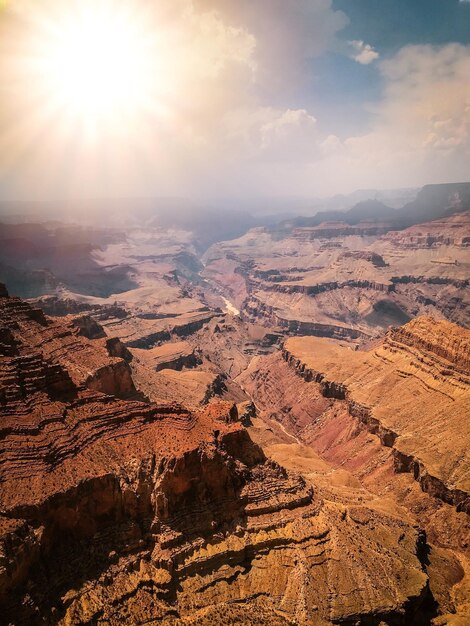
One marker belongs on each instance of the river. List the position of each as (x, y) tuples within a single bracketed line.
[(230, 308)]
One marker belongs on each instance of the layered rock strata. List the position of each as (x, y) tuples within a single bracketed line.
[(116, 511), (36, 338), (389, 421), (345, 281), (413, 391)]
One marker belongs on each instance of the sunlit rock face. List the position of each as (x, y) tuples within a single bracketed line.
[(390, 418), (345, 281), (117, 510), (380, 387), (239, 438)]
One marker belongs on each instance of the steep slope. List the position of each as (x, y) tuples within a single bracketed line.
[(118, 511), (391, 420), (343, 281), (413, 390), (59, 347)]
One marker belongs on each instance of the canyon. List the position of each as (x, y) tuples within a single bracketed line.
[(347, 282), (269, 429)]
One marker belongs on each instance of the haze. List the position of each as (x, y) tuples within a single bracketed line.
[(211, 100)]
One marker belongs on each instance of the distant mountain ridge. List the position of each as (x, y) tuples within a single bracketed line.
[(432, 202)]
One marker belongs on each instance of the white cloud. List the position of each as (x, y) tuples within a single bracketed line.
[(287, 32), (268, 135), (208, 67), (362, 52), (421, 131), (224, 62), (216, 130), (292, 136)]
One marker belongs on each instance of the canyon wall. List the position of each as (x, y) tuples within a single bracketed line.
[(115, 510)]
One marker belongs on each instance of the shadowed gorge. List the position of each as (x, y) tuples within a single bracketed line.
[(154, 504)]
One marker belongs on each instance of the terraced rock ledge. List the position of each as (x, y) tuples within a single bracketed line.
[(114, 510), (412, 392)]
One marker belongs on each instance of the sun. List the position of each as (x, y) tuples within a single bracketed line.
[(94, 90), (100, 62)]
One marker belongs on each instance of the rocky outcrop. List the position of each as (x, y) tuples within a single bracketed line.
[(117, 511), (190, 327), (247, 411), (173, 355), (430, 484), (427, 335), (215, 388), (178, 533), (451, 231), (313, 290), (149, 341), (333, 230), (61, 307), (113, 379), (48, 346), (256, 310), (338, 391), (88, 327), (428, 354), (430, 280), (145, 332), (376, 259), (179, 362), (115, 347)]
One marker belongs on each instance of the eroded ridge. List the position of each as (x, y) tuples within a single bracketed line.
[(121, 511), (342, 281), (412, 391)]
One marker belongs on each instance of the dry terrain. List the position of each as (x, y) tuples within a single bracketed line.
[(270, 431), (123, 511), (339, 281)]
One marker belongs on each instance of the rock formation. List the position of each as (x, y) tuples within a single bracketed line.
[(425, 359), (346, 281), (393, 417), (273, 434), (119, 511)]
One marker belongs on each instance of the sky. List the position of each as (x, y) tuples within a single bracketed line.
[(212, 99)]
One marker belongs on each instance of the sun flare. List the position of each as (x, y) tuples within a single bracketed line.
[(100, 63), (97, 65)]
